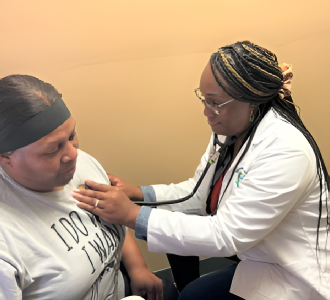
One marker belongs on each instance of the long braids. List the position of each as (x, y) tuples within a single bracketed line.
[(287, 111), (250, 73)]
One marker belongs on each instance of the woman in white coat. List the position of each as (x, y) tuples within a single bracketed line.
[(265, 198)]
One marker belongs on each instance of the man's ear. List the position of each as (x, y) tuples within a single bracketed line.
[(5, 158)]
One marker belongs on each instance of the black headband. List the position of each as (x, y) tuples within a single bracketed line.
[(37, 127)]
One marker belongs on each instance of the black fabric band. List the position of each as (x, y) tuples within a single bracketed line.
[(37, 127)]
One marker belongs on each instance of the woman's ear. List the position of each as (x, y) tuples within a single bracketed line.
[(252, 109), (253, 112)]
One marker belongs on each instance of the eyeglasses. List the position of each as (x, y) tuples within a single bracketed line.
[(213, 106)]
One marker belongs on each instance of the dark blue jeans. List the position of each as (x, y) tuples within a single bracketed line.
[(213, 286)]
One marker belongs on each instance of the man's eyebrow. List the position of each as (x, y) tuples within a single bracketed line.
[(50, 143), (74, 128)]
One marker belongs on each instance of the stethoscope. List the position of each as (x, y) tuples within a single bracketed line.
[(213, 157)]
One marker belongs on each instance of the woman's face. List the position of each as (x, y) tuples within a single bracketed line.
[(233, 117)]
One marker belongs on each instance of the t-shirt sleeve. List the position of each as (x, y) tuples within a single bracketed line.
[(88, 167), (9, 289)]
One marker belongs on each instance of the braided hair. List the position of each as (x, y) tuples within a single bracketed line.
[(250, 73)]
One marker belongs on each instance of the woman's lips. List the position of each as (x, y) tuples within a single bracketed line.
[(212, 123)]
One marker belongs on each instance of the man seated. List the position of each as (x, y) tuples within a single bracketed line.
[(49, 247)]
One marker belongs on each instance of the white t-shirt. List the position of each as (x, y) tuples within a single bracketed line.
[(52, 249)]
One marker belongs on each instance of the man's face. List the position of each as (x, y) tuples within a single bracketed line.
[(47, 164)]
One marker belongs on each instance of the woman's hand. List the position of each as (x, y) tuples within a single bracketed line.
[(108, 202), (132, 191)]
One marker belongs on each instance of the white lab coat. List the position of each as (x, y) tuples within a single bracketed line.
[(268, 217)]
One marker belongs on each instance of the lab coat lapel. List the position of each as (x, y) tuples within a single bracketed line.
[(261, 134)]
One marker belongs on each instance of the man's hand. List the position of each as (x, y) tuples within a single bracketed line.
[(146, 284), (143, 282)]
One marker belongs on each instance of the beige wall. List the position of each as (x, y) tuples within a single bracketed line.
[(127, 70)]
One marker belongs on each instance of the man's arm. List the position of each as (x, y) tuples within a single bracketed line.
[(143, 281)]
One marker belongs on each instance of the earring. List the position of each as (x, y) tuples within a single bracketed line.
[(252, 114)]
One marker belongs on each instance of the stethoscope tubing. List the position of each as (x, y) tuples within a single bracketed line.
[(212, 159), (159, 203), (180, 200)]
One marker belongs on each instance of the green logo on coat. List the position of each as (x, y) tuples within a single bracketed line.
[(240, 175)]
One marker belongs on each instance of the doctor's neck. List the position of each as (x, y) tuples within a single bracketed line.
[(241, 138)]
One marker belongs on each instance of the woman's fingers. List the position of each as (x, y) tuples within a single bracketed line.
[(108, 202), (115, 181), (111, 177), (90, 198), (87, 207), (96, 190), (97, 186)]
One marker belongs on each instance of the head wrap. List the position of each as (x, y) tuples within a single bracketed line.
[(36, 127), (247, 72)]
